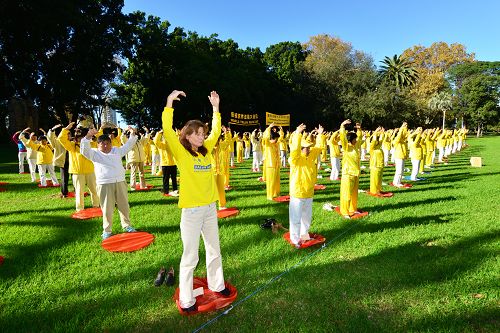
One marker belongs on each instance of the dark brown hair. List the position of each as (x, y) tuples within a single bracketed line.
[(191, 127)]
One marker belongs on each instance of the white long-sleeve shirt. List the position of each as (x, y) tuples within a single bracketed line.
[(108, 167)]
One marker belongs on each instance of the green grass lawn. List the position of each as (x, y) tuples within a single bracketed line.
[(425, 260)]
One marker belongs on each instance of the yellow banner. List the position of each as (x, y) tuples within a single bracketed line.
[(278, 119), (244, 119)]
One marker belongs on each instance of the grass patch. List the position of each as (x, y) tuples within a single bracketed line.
[(425, 260)]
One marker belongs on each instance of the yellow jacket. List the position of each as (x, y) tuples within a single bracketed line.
[(399, 142), (333, 143), (221, 157), (166, 155), (78, 164), (44, 153), (137, 153), (303, 168), (351, 157), (376, 153), (197, 179), (271, 150), (59, 151), (415, 145)]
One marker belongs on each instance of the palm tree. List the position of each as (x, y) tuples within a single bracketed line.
[(441, 102), (399, 71)]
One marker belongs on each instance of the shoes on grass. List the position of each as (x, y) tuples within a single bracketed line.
[(106, 235), (170, 279), (129, 229), (160, 278)]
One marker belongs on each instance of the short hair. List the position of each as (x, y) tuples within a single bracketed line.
[(42, 137), (103, 138), (351, 136)]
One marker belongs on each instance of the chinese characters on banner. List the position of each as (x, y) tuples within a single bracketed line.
[(241, 119), (278, 119)]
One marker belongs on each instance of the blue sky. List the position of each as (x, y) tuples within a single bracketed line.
[(379, 28)]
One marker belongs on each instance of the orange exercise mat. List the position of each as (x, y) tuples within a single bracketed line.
[(87, 213), (209, 300), (228, 212), (381, 194), (315, 239), (283, 198), (72, 194), (355, 216), (148, 187), (405, 185), (127, 241), (319, 187)]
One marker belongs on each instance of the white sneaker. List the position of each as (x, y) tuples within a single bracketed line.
[(174, 193)]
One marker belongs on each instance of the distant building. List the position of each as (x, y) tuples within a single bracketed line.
[(109, 115)]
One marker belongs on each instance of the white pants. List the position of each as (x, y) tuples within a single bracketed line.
[(79, 182), (255, 160), (441, 154), (247, 153), (363, 154), (231, 158), (386, 156), (335, 168), (195, 221), (460, 144), (32, 166), (283, 158), (415, 169), (21, 156), (155, 163), (42, 169), (300, 216), (393, 157), (400, 164)]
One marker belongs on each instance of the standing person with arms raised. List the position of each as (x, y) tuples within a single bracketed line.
[(197, 197)]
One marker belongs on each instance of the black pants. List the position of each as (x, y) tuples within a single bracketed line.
[(169, 172), (65, 177)]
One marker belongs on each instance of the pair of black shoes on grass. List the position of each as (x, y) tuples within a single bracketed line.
[(163, 276), (193, 308)]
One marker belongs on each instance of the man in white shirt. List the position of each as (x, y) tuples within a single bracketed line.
[(110, 178)]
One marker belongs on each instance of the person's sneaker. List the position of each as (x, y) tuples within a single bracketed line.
[(129, 229), (106, 235), (225, 292), (174, 193), (160, 278), (191, 309), (170, 277)]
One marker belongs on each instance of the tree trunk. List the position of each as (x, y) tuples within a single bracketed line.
[(478, 132)]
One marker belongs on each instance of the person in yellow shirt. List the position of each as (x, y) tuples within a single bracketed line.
[(400, 153), (31, 154), (155, 156), (61, 158), (168, 166), (197, 197), (303, 170), (239, 147), (221, 167), (136, 159), (351, 143), (256, 150), (333, 144), (271, 161), (282, 142), (386, 145), (415, 146), (376, 160), (44, 158), (246, 141), (80, 168)]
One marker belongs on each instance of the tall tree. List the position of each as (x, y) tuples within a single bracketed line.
[(399, 71), (441, 102)]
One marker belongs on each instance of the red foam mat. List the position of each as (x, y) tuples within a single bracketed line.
[(128, 241), (87, 213), (72, 194), (319, 187), (49, 184), (283, 198), (148, 187), (3, 183), (209, 301), (355, 216), (405, 185), (315, 239), (1, 260), (228, 212), (381, 194)]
